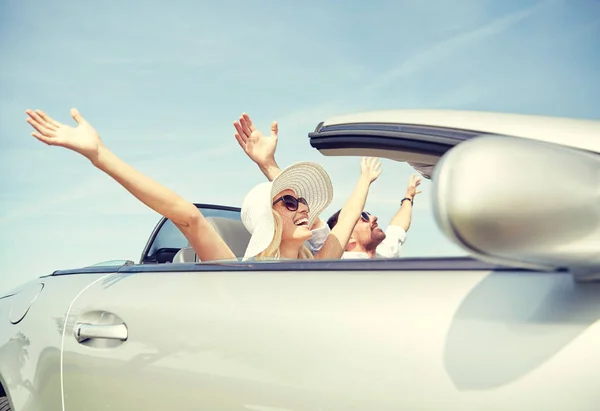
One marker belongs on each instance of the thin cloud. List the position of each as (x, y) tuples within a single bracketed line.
[(187, 155), (436, 54), (422, 61), (161, 169), (79, 192)]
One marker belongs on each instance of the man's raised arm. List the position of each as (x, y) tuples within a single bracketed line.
[(261, 149), (403, 216)]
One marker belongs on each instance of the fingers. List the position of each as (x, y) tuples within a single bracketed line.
[(377, 170), (414, 180), (245, 127), (378, 166), (46, 140), (240, 140), (372, 167), (246, 118), (51, 123), (239, 135), (274, 129), (40, 124), (36, 118), (373, 162)]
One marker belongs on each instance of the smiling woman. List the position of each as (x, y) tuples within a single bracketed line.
[(278, 214)]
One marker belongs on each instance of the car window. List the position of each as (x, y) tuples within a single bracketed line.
[(170, 237)]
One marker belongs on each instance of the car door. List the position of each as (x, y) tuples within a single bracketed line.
[(333, 335)]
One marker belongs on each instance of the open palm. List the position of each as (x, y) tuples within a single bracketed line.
[(370, 168), (413, 183), (255, 144), (82, 139)]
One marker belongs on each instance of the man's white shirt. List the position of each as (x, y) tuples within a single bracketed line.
[(395, 236)]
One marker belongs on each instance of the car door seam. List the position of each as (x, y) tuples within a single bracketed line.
[(62, 341)]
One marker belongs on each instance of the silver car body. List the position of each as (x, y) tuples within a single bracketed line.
[(410, 333)]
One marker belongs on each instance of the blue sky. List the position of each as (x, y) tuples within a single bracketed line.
[(163, 81)]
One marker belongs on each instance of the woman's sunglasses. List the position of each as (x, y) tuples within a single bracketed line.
[(290, 202)]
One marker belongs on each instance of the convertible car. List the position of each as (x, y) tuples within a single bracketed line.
[(513, 326)]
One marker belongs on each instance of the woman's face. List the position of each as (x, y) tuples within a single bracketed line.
[(295, 222)]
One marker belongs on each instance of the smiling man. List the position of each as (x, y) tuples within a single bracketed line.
[(368, 240)]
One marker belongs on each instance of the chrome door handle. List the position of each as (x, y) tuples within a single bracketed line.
[(85, 331)]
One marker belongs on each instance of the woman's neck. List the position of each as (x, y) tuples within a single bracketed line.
[(289, 249)]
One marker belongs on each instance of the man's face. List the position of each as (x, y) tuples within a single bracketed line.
[(367, 233)]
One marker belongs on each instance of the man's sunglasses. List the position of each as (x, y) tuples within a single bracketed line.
[(290, 202), (366, 217)]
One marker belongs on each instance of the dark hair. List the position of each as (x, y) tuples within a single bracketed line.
[(333, 220)]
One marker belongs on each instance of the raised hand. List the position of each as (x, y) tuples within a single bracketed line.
[(337, 241), (257, 146), (413, 183), (82, 139), (370, 168)]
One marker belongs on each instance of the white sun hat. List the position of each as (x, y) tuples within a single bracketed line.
[(308, 180)]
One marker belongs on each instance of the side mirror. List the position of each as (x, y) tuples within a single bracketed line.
[(522, 203)]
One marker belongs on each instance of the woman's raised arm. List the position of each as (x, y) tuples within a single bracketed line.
[(85, 140)]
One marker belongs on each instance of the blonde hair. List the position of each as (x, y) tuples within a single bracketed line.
[(272, 251)]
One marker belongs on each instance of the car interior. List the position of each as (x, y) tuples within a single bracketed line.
[(233, 233)]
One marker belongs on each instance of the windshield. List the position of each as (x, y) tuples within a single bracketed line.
[(169, 239)]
